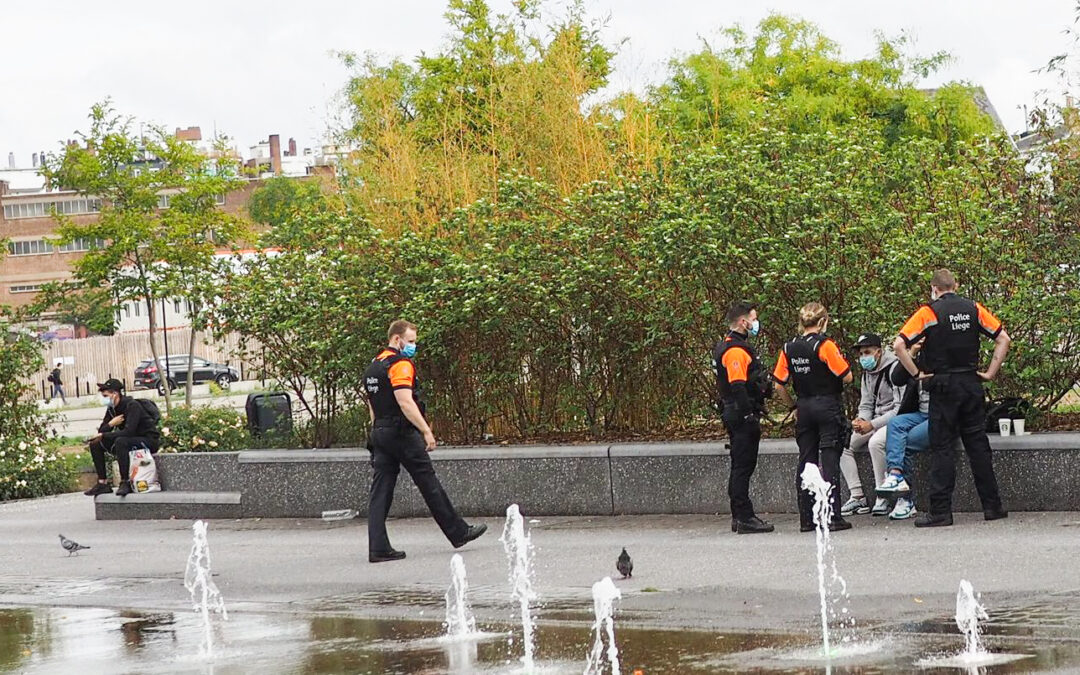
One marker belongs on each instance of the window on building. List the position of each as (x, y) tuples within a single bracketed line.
[(137, 304), (25, 288), (81, 245), (219, 200), (67, 207), (176, 306), (29, 247), (163, 201), (127, 311)]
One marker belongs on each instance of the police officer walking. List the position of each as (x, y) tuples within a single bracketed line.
[(817, 372), (951, 326), (739, 381), (400, 436)]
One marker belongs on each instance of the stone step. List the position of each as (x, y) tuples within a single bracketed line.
[(182, 505)]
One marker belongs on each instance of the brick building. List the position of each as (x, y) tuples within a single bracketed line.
[(33, 259)]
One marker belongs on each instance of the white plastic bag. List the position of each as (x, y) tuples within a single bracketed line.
[(144, 476)]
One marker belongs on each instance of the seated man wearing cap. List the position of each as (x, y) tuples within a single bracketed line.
[(878, 403), (126, 426)]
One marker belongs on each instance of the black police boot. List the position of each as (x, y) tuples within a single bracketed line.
[(753, 525), (473, 532), (934, 520), (837, 524), (995, 514), (388, 556), (734, 524), (807, 526), (125, 489)]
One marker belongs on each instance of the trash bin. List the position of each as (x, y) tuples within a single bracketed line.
[(269, 413)]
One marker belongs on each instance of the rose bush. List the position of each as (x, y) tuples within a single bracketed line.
[(30, 469), (204, 429)]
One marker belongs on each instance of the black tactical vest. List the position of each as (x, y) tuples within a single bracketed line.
[(754, 380), (952, 344), (810, 376), (381, 393)]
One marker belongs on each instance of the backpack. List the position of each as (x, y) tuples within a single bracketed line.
[(52, 377), (151, 409)]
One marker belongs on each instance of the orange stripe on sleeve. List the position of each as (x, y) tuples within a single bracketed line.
[(737, 364), (832, 357), (916, 326), (402, 375), (989, 323), (781, 373)]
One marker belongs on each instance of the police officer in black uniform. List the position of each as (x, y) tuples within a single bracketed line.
[(400, 436), (951, 326), (740, 383), (818, 372)]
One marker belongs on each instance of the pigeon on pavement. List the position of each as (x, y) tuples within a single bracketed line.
[(71, 546), (625, 565)]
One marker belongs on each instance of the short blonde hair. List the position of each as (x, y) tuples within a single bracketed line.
[(399, 327), (944, 280), (812, 314)]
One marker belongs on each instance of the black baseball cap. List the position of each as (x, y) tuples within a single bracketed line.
[(111, 384), (868, 340)]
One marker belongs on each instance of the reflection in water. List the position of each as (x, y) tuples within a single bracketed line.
[(96, 640)]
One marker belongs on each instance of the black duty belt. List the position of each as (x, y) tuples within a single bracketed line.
[(391, 422)]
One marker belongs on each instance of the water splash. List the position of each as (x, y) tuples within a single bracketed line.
[(519, 552), (460, 622), (205, 596), (968, 615), (604, 596), (832, 589)]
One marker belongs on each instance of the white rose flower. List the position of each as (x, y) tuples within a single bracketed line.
[(22, 445), (165, 431), (213, 444)]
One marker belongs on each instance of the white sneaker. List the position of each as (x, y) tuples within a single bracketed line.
[(893, 485), (881, 507), (904, 509), (855, 506)]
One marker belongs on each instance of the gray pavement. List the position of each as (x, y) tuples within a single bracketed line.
[(690, 571)]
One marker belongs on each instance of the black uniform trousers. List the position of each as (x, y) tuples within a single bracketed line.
[(818, 432), (744, 438), (394, 446), (957, 408), (121, 447)]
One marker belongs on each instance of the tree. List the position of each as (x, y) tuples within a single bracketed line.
[(279, 199), (135, 175)]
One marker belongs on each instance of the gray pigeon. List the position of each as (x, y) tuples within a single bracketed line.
[(625, 565), (71, 546)]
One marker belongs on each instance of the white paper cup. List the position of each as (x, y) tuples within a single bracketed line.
[(1005, 426), (1018, 427)]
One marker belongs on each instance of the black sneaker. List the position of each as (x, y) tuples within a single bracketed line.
[(388, 556), (753, 525), (473, 532), (124, 490), (934, 520), (995, 514), (838, 524), (99, 489)]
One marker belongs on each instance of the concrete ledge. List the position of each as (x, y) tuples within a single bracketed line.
[(628, 478), (165, 505)]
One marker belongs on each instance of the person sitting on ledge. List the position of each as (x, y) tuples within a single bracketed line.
[(126, 426)]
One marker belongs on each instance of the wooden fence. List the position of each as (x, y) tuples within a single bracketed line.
[(92, 360)]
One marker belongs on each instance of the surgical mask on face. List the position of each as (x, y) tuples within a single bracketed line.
[(933, 295), (107, 401), (409, 349), (755, 327), (867, 362)]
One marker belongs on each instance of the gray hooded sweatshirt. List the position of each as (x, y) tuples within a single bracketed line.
[(879, 400)]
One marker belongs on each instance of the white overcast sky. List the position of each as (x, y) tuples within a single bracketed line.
[(253, 69)]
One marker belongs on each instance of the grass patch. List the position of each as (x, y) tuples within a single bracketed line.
[(650, 589)]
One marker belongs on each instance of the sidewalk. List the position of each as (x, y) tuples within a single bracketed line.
[(690, 571)]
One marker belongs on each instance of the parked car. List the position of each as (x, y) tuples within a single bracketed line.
[(176, 367)]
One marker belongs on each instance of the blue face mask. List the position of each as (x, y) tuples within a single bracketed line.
[(107, 401), (409, 350), (755, 327), (867, 362)]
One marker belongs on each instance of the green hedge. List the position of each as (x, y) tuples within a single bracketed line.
[(204, 429), (28, 468)]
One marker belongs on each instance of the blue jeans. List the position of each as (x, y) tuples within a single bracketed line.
[(908, 433)]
